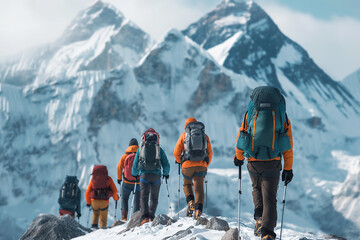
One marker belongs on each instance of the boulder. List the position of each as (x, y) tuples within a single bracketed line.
[(160, 219), (202, 221), (231, 234), (135, 220), (46, 226), (180, 234), (118, 223), (218, 224)]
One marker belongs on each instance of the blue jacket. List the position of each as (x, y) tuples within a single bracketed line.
[(164, 163)]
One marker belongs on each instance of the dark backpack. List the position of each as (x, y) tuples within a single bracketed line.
[(149, 156), (195, 143), (69, 193), (266, 137), (128, 164), (100, 183)]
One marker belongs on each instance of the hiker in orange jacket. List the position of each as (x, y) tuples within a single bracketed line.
[(195, 168), (128, 183), (100, 189)]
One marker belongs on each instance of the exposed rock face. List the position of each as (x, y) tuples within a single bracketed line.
[(47, 226), (218, 224)]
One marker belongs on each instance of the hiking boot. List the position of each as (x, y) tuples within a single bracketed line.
[(145, 220), (124, 215), (151, 218), (267, 234), (258, 226), (191, 208), (94, 226), (268, 237), (197, 214)]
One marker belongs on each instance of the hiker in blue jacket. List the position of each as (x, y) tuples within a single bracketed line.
[(149, 160)]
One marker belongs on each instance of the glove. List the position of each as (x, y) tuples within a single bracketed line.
[(238, 162), (166, 177), (119, 181), (88, 205), (287, 176), (206, 160), (79, 215)]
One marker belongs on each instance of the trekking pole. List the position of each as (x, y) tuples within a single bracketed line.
[(115, 209), (168, 194), (179, 192), (283, 202), (239, 236), (206, 195), (132, 202)]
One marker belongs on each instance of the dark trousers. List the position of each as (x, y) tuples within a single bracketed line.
[(265, 182), (126, 190), (149, 187)]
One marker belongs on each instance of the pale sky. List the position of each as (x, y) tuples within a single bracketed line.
[(328, 29)]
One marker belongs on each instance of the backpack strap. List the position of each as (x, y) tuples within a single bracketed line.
[(243, 122)]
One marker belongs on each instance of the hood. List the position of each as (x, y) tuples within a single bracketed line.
[(189, 120), (132, 149)]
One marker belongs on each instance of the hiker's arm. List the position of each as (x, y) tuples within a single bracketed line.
[(288, 155), (209, 149), (135, 170), (120, 167), (87, 194), (164, 162), (114, 189), (244, 127), (179, 148)]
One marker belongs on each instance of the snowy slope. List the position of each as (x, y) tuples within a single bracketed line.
[(352, 83), (195, 232), (86, 103)]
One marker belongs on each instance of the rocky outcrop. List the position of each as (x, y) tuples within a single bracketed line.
[(46, 226), (218, 224)]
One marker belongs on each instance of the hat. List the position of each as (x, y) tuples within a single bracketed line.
[(133, 141)]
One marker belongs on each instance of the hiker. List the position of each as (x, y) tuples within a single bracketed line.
[(70, 197), (100, 189), (193, 151), (124, 168), (265, 137), (149, 160)]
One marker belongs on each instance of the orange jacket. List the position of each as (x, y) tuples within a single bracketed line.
[(111, 185), (179, 148), (120, 166), (288, 155)]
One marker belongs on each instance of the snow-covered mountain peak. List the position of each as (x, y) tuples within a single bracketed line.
[(87, 22)]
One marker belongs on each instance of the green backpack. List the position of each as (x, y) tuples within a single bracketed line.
[(266, 137)]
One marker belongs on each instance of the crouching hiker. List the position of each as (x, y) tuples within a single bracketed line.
[(70, 197), (100, 189), (265, 137), (124, 172), (149, 160), (193, 150)]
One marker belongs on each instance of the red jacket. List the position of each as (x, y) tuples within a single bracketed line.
[(111, 185)]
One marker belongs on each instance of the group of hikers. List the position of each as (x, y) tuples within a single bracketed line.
[(264, 138)]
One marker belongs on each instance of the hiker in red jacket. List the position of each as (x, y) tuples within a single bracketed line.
[(100, 189)]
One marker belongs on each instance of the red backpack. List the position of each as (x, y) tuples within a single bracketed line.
[(100, 183), (128, 164)]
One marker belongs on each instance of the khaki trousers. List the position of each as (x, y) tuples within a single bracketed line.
[(198, 174), (100, 210)]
